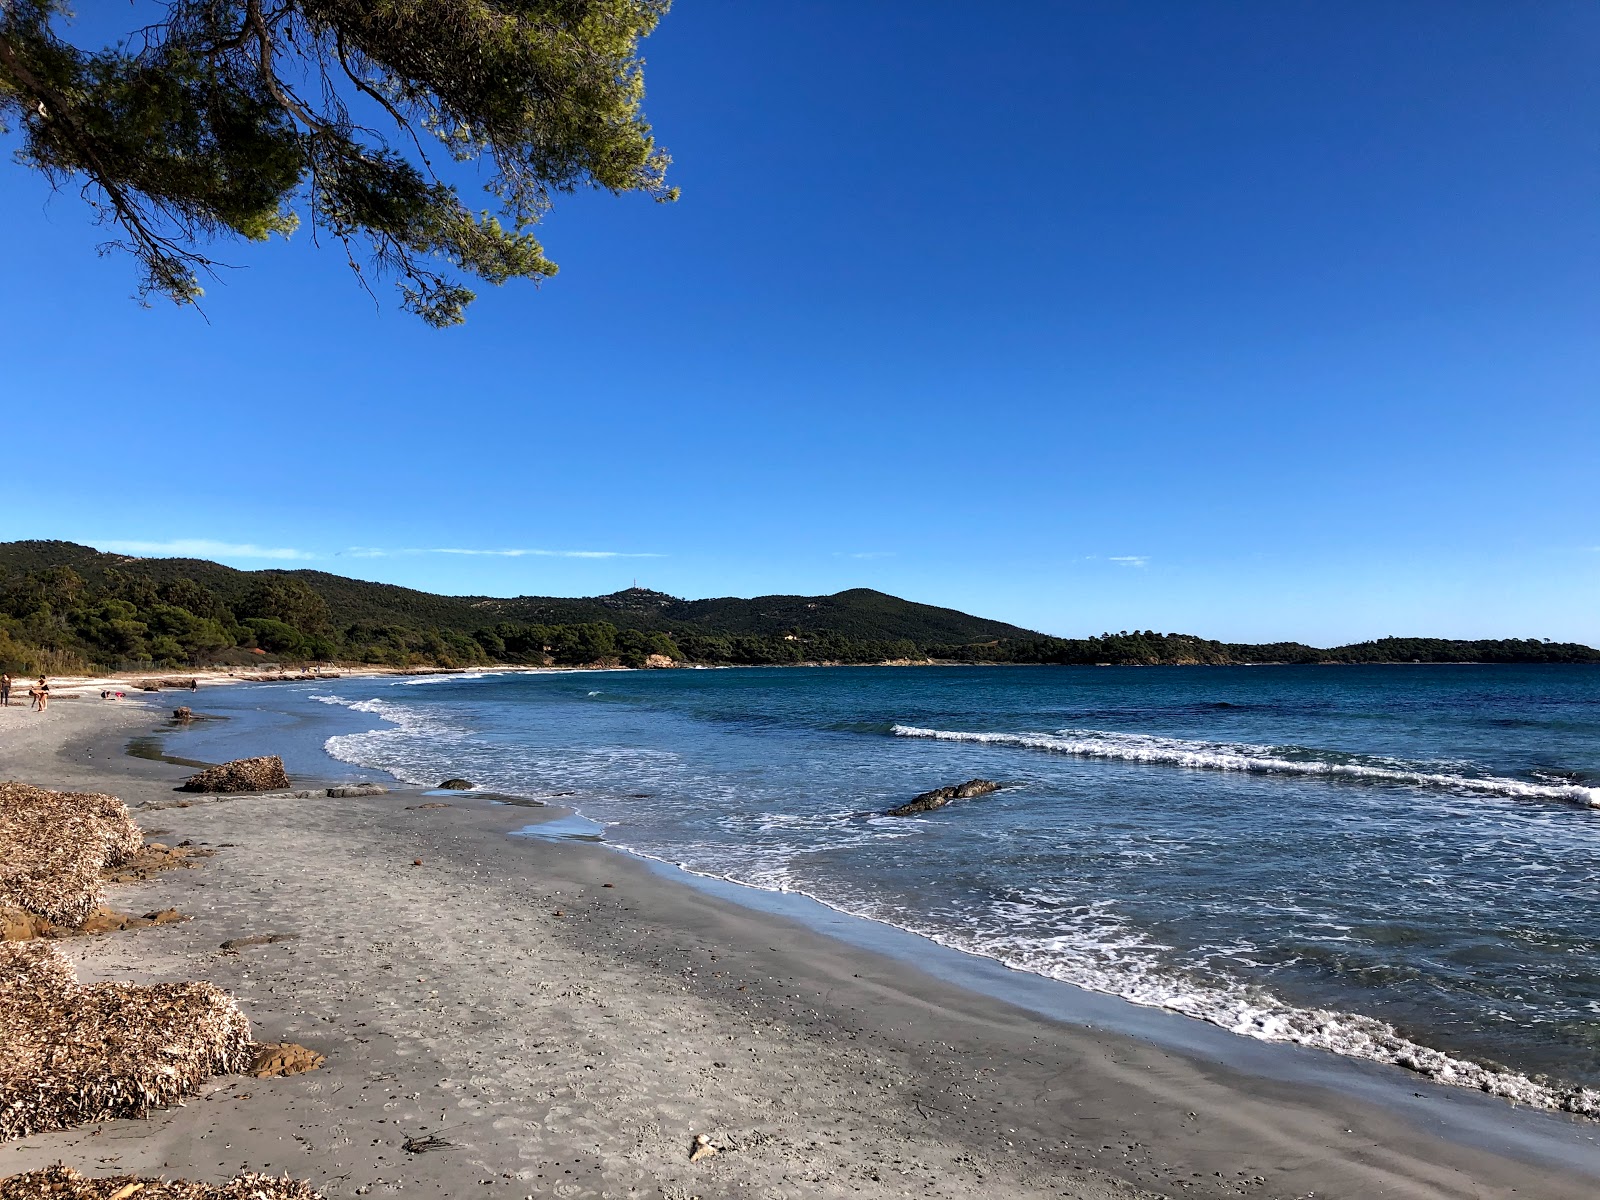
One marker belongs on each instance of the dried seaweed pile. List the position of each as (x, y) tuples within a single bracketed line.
[(65, 1182), (54, 846), (71, 1054), (262, 774)]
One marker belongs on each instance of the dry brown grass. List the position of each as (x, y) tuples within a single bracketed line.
[(71, 1054), (63, 1181), (54, 847)]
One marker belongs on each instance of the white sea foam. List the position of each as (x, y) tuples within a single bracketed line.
[(1086, 945), (424, 680), (1262, 760), (1100, 953), (1094, 949), (377, 748)]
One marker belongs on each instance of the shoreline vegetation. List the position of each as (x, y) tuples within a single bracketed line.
[(69, 609)]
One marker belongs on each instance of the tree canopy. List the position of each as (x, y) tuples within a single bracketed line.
[(228, 119)]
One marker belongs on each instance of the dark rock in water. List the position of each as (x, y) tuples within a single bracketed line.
[(242, 775), (182, 714), (457, 785), (939, 797)]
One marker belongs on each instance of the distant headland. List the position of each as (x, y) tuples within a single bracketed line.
[(67, 608)]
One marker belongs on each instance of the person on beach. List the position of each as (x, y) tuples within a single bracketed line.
[(40, 694), (5, 691)]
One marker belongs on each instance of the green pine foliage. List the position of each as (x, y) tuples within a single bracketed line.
[(217, 120), (65, 608)]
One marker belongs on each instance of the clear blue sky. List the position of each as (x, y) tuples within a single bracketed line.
[(1254, 320)]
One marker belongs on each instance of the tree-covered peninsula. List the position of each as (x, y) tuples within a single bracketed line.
[(67, 608)]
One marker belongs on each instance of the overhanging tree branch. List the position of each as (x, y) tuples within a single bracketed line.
[(205, 132)]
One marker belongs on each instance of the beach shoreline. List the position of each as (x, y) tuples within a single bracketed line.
[(569, 1037)]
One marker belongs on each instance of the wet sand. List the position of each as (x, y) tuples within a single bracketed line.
[(563, 1037)]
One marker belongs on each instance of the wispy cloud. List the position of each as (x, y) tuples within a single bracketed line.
[(378, 552), (1130, 560), (199, 548), (865, 554)]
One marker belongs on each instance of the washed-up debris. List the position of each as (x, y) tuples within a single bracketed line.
[(358, 789), (64, 1182), (422, 1145), (54, 847), (108, 920), (241, 775), (429, 804), (702, 1148), (152, 859), (71, 1054), (19, 926), (273, 1060), (234, 945)]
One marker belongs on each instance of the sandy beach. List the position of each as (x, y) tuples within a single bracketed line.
[(566, 1020)]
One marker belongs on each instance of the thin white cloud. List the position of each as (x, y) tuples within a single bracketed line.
[(377, 552), (199, 548), (1131, 560)]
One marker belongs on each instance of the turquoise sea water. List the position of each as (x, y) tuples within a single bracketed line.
[(1399, 863)]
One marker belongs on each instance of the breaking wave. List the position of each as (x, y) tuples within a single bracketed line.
[(1087, 945), (1100, 953), (376, 748), (1261, 760)]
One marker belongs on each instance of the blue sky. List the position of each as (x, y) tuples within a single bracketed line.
[(1253, 320)]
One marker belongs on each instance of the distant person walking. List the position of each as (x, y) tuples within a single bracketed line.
[(41, 694), (5, 691)]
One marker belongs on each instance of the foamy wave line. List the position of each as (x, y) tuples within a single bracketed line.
[(372, 748), (1247, 1012), (1253, 1013), (1262, 760), (464, 677), (1129, 972)]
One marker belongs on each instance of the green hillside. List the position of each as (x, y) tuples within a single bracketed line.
[(65, 607)]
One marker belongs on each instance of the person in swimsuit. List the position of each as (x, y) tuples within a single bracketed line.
[(41, 695)]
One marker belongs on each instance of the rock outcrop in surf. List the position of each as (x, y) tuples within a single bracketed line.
[(939, 797)]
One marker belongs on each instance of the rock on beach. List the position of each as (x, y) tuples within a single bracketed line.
[(358, 789)]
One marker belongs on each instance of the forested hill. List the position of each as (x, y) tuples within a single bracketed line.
[(65, 607)]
